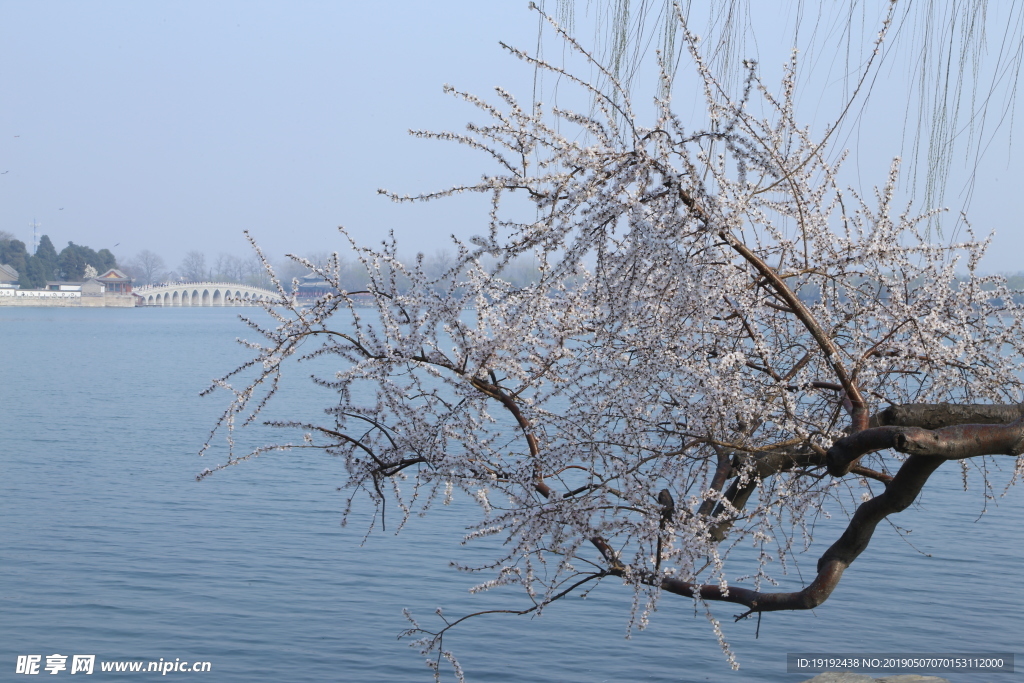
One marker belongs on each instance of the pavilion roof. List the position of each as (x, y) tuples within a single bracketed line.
[(113, 275)]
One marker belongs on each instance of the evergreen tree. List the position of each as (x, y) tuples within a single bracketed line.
[(35, 274), (47, 253), (105, 260), (69, 264), (14, 254), (74, 258), (72, 262)]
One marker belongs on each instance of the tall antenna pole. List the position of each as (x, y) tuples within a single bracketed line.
[(35, 226)]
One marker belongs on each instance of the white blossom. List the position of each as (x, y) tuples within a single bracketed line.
[(706, 300)]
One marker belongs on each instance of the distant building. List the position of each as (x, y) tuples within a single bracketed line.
[(112, 289), (312, 286), (8, 277), (63, 286), (115, 282), (93, 287)]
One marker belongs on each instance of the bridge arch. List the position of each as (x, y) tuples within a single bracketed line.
[(203, 294)]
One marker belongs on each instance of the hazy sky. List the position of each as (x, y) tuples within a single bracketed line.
[(174, 126)]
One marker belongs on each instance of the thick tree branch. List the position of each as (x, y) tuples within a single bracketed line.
[(898, 496), (722, 472), (938, 415), (808, 598), (948, 443), (765, 465)]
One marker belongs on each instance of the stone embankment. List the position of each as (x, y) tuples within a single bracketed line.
[(32, 297)]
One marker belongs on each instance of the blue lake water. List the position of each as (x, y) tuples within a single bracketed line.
[(108, 545)]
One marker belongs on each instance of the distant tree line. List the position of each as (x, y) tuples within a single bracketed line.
[(148, 268), (441, 267), (70, 265)]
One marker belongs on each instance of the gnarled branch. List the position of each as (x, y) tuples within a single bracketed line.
[(948, 443)]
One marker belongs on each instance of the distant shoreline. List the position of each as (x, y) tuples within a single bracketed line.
[(49, 299)]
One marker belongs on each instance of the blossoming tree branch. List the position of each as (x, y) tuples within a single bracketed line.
[(720, 338)]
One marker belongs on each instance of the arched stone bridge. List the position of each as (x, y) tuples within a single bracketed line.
[(203, 294)]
